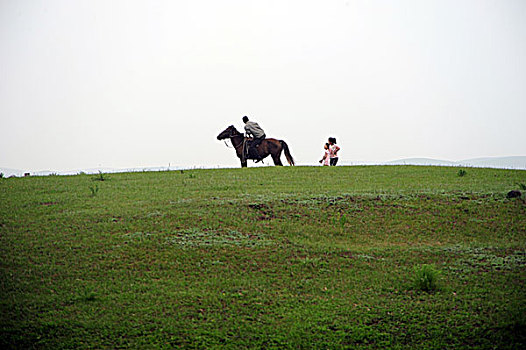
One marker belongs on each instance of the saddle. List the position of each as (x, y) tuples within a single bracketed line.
[(248, 151)]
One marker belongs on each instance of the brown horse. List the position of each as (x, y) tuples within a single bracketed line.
[(267, 147)]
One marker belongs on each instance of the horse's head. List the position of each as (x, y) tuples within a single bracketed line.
[(228, 133)]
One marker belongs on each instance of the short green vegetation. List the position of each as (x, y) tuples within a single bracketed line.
[(426, 278), (94, 190), (293, 257)]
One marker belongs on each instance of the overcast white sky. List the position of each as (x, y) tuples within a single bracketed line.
[(130, 83)]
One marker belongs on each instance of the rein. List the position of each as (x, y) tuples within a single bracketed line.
[(236, 147)]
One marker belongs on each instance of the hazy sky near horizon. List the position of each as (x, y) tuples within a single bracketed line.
[(129, 83)]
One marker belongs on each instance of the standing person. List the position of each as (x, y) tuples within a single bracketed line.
[(333, 148), (325, 160), (253, 129)]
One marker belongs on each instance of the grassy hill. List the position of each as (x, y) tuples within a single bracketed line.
[(291, 257)]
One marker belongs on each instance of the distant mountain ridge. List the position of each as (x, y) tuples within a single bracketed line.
[(514, 162), (422, 161)]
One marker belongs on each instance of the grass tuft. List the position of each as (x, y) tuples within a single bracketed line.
[(425, 278), (100, 177), (94, 190)]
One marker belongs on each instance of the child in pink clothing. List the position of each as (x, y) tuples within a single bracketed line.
[(326, 156), (333, 148)]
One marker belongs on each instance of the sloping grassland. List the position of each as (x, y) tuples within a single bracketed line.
[(291, 257)]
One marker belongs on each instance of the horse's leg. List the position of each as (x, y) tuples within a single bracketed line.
[(277, 159), (274, 151), (242, 158)]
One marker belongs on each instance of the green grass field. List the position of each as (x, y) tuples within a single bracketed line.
[(290, 257)]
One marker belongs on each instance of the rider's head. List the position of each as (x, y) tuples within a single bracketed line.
[(245, 119)]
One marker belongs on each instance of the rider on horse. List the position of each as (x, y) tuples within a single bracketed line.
[(253, 129)]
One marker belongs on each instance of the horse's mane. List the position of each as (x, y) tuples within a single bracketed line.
[(236, 131)]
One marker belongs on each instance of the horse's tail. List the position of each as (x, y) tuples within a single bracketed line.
[(287, 152)]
